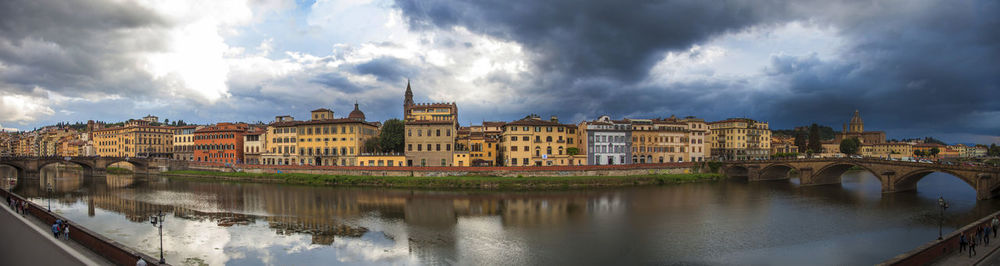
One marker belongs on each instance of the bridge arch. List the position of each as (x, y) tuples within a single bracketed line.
[(736, 171), (831, 173), (776, 171), (19, 169), (88, 167), (908, 181), (136, 164)]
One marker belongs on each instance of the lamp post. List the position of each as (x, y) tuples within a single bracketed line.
[(157, 221), (48, 188), (944, 205)]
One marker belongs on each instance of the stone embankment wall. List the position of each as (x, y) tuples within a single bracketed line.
[(936, 249), (109, 249), (581, 170)]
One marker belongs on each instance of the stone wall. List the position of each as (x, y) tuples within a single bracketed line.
[(587, 170)]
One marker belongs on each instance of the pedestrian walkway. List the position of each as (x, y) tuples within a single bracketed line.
[(985, 255), (27, 241)]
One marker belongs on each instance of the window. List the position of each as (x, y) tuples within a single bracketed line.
[(548, 139), (447, 147), (419, 147), (409, 147), (439, 147), (444, 162), (409, 132), (447, 132), (438, 132)]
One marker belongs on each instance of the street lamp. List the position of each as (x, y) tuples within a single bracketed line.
[(157, 221), (48, 188), (944, 205)]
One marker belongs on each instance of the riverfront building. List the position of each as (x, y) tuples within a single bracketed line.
[(606, 141), (326, 140), (137, 138), (281, 148), (253, 145), (668, 140), (221, 143), (431, 130), (533, 141), (184, 142), (740, 139)]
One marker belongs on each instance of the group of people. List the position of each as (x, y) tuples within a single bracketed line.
[(982, 234), (19, 206), (60, 228)]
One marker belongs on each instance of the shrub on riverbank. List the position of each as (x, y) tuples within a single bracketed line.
[(481, 182)]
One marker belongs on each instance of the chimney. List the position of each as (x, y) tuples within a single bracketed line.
[(554, 119)]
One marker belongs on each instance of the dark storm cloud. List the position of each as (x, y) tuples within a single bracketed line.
[(907, 64), (74, 47), (338, 82), (386, 69), (619, 39)]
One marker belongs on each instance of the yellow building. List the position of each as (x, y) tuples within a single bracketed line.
[(461, 158), (281, 146), (887, 150), (184, 142), (381, 159), (484, 143), (326, 140), (137, 138), (740, 139), (532, 141)]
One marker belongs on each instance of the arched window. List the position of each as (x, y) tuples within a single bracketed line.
[(548, 150), (548, 139)]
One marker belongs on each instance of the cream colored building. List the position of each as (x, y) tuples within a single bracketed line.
[(887, 150), (253, 145), (326, 140), (382, 159), (137, 138), (184, 143), (281, 147), (740, 139), (431, 132)]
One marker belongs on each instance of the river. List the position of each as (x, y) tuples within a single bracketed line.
[(719, 223)]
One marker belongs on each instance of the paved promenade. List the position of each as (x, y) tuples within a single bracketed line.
[(985, 255), (26, 241)]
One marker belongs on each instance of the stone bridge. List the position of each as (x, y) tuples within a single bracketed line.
[(894, 175), (31, 166)]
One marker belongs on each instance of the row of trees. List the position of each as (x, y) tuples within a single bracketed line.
[(809, 142)]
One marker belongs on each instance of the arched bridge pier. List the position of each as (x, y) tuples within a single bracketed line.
[(894, 175)]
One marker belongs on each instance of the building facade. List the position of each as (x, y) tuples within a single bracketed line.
[(253, 145), (281, 146), (606, 141), (532, 141), (184, 143), (740, 139), (326, 140), (431, 130), (220, 143), (137, 138), (856, 129)]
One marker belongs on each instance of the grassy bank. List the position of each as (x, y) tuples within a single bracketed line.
[(464, 182), (118, 170)]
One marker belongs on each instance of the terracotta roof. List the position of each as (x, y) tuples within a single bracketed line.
[(322, 110), (357, 114), (318, 122), (493, 124), (535, 122)]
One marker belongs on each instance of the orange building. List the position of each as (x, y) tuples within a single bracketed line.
[(221, 143)]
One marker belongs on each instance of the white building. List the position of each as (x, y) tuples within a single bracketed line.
[(607, 141)]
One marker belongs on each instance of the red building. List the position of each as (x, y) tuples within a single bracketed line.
[(221, 143)]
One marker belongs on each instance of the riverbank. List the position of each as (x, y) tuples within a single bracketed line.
[(459, 182)]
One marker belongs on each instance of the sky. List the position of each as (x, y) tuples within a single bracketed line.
[(913, 68)]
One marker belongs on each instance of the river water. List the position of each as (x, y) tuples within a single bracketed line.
[(718, 223)]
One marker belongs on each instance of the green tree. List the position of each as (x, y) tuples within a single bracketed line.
[(372, 145), (934, 151), (392, 138), (850, 146), (572, 151), (994, 150), (814, 139), (918, 153), (800, 140)]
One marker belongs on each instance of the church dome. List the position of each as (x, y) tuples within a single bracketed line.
[(357, 114)]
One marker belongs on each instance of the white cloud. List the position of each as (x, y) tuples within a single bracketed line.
[(24, 108)]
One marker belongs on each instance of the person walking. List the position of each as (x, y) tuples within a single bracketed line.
[(962, 242), (986, 235), (979, 234), (972, 248), (995, 223), (65, 231), (55, 230)]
